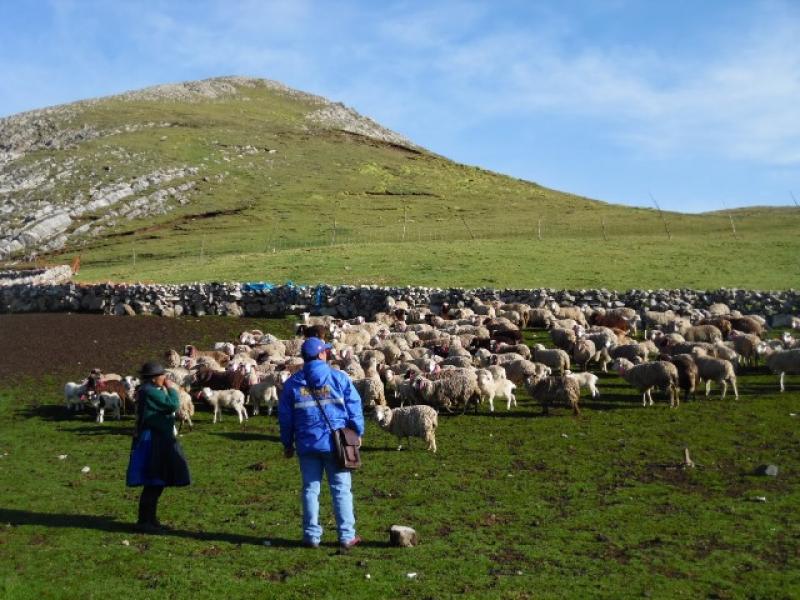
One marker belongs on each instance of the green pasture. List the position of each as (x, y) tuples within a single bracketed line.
[(514, 504)]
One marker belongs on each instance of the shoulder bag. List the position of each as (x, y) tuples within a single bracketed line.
[(345, 443)]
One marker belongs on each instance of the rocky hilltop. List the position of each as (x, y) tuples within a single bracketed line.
[(72, 173)]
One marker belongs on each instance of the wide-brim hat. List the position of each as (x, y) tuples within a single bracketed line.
[(151, 369)]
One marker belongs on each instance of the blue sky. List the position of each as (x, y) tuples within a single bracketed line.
[(694, 102)]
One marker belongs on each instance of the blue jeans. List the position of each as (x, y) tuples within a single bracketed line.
[(311, 467)]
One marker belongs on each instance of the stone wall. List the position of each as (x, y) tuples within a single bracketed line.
[(28, 294)]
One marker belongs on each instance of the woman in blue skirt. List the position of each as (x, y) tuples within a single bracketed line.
[(157, 460)]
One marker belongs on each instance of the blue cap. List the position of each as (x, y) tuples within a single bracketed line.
[(312, 347)]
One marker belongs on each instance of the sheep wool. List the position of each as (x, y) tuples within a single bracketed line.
[(409, 421)]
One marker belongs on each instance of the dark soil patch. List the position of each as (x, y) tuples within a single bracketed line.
[(65, 345)]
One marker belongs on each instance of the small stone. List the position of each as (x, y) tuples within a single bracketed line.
[(759, 499), (126, 543), (266, 543), (367, 576), (403, 536), (411, 575), (767, 470), (85, 469), (62, 456)]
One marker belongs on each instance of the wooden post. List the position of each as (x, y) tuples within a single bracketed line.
[(733, 227), (405, 220), (539, 229), (660, 214), (469, 231), (603, 223), (134, 257), (203, 247), (333, 239), (794, 199)]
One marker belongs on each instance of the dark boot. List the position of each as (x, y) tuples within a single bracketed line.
[(148, 505)]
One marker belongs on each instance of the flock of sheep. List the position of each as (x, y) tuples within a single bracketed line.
[(411, 363)]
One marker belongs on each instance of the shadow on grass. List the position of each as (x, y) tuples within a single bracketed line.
[(98, 429), (246, 436), (53, 412), (106, 523)]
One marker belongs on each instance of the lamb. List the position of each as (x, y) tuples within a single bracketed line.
[(783, 362), (646, 376), (74, 394), (586, 381), (562, 390), (556, 359), (185, 410), (409, 421), (716, 369), (492, 388), (266, 391), (107, 401), (218, 399), (112, 386)]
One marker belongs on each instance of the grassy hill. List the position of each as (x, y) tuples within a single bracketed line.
[(290, 186)]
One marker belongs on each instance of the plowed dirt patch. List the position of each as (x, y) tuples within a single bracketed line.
[(69, 345)]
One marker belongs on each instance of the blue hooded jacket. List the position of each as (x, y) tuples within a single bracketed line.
[(302, 425)]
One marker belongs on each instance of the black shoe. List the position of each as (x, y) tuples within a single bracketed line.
[(148, 528)]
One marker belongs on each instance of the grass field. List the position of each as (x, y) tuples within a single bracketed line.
[(514, 505)]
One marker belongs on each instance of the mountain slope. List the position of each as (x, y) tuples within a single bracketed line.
[(238, 175)]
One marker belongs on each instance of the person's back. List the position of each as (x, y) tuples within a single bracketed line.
[(314, 389)]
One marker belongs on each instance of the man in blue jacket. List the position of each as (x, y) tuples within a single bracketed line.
[(303, 427)]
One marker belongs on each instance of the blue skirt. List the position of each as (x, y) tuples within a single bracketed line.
[(157, 460)]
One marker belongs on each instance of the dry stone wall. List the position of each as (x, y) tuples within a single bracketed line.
[(41, 291)]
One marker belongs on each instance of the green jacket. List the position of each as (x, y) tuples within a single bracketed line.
[(158, 408)]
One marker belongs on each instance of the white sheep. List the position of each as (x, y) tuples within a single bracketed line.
[(74, 394), (371, 391), (456, 387), (107, 401), (219, 399), (555, 358), (555, 389), (646, 376), (783, 362), (185, 410), (266, 391), (409, 421), (586, 380), (716, 369), (500, 388)]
